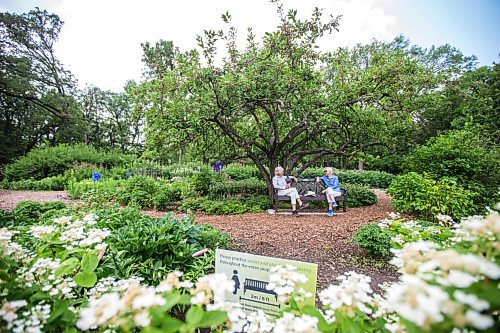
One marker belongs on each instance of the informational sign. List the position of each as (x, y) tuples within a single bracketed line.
[(250, 274)]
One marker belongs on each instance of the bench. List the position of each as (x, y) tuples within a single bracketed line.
[(305, 185), (257, 285)]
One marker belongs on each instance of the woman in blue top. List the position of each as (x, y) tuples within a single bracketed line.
[(332, 188)]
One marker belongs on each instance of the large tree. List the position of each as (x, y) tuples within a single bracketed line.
[(284, 102), (35, 90)]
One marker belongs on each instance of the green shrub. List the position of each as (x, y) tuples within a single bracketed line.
[(312, 172), (226, 206), (425, 197), (373, 240), (167, 194), (463, 155), (55, 183), (108, 187), (237, 171), (200, 181), (234, 187), (53, 161), (372, 179), (359, 196), (28, 213), (138, 190), (6, 219)]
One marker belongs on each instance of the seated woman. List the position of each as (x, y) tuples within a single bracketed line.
[(332, 189), (280, 184)]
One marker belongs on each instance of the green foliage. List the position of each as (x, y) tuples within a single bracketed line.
[(421, 195), (226, 206), (52, 161), (29, 212), (464, 155), (54, 183), (151, 248), (373, 240), (359, 195), (372, 179), (107, 187), (200, 181), (6, 219), (237, 171), (138, 190), (249, 186)]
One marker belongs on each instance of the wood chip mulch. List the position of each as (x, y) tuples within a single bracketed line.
[(317, 238)]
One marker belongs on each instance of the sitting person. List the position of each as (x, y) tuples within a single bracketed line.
[(332, 189), (280, 184)]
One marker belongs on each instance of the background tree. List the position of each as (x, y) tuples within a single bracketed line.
[(35, 90)]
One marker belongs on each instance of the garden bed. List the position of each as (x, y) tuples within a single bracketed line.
[(319, 239)]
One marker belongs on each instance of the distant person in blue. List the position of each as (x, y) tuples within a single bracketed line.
[(332, 188)]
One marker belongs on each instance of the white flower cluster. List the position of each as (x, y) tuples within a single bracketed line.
[(75, 235), (284, 280), (352, 293), (474, 227), (445, 220), (172, 282), (427, 272), (111, 284), (9, 248), (42, 272), (386, 223), (289, 323), (211, 287), (31, 320), (9, 309), (40, 231), (113, 309)]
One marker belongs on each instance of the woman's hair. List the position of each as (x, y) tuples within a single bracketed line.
[(278, 169), (328, 169)]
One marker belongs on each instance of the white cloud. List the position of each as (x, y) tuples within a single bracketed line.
[(100, 40)]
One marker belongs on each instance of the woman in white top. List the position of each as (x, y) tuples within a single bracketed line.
[(279, 183)]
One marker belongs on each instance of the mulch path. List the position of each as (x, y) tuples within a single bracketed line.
[(326, 241)]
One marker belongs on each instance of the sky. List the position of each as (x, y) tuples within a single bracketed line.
[(100, 41)]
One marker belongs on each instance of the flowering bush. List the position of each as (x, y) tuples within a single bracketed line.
[(447, 286)]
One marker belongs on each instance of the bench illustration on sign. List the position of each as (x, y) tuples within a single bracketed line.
[(260, 286)]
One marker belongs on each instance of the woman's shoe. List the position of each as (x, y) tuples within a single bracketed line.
[(329, 213), (304, 205), (295, 213)]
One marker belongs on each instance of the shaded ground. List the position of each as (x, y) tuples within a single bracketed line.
[(320, 239)]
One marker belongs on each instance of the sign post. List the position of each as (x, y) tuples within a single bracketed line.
[(250, 274)]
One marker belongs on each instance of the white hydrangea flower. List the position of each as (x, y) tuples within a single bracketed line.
[(8, 310), (63, 220), (95, 236), (417, 301), (353, 292), (445, 220), (259, 322), (471, 300), (412, 255), (99, 311), (292, 324), (210, 287), (478, 320), (42, 230), (283, 280)]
